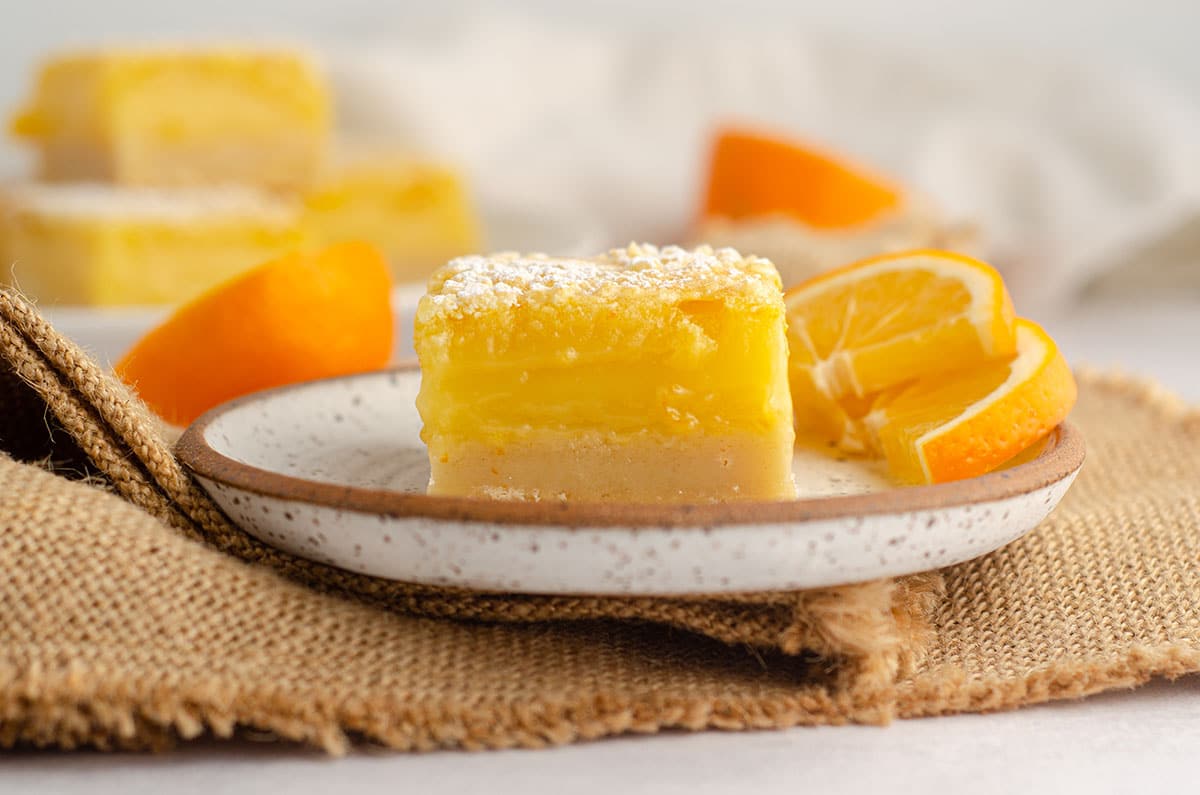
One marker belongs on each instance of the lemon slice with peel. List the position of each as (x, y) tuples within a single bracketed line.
[(870, 326), (967, 423)]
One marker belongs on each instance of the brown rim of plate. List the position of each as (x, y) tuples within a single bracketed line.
[(1062, 456)]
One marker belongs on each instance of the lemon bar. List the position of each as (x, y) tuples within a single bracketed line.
[(417, 213), (642, 375), (101, 245), (182, 116)]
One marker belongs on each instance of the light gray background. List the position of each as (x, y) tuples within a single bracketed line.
[(1159, 34)]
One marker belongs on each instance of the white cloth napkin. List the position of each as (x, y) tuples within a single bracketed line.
[(1085, 177)]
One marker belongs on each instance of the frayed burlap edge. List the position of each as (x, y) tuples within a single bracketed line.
[(948, 691), (871, 633), (70, 710)]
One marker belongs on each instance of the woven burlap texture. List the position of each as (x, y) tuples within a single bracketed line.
[(129, 624)]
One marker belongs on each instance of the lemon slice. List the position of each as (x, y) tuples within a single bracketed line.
[(872, 325), (967, 423)]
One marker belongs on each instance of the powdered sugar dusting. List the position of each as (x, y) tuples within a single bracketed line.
[(476, 283), (110, 202)]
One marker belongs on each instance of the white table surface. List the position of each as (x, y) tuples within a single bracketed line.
[(1139, 741)]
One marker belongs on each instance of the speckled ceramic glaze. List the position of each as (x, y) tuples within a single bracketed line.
[(335, 471)]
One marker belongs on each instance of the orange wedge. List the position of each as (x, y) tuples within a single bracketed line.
[(970, 422), (296, 318), (876, 324), (755, 175)]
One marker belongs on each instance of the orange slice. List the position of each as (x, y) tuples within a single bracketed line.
[(296, 318), (967, 423), (882, 322), (755, 175)]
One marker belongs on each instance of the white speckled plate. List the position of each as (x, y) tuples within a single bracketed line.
[(335, 471)]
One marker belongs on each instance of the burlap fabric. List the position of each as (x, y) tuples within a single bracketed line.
[(135, 614)]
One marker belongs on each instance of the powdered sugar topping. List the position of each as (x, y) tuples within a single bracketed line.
[(475, 283), (176, 205)]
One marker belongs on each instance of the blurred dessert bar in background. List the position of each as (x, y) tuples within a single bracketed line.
[(808, 211), (179, 116), (416, 212), (165, 170), (104, 245)]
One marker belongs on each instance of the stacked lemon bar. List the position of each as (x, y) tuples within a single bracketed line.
[(161, 171)]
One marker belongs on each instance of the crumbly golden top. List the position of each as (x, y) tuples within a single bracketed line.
[(638, 275)]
